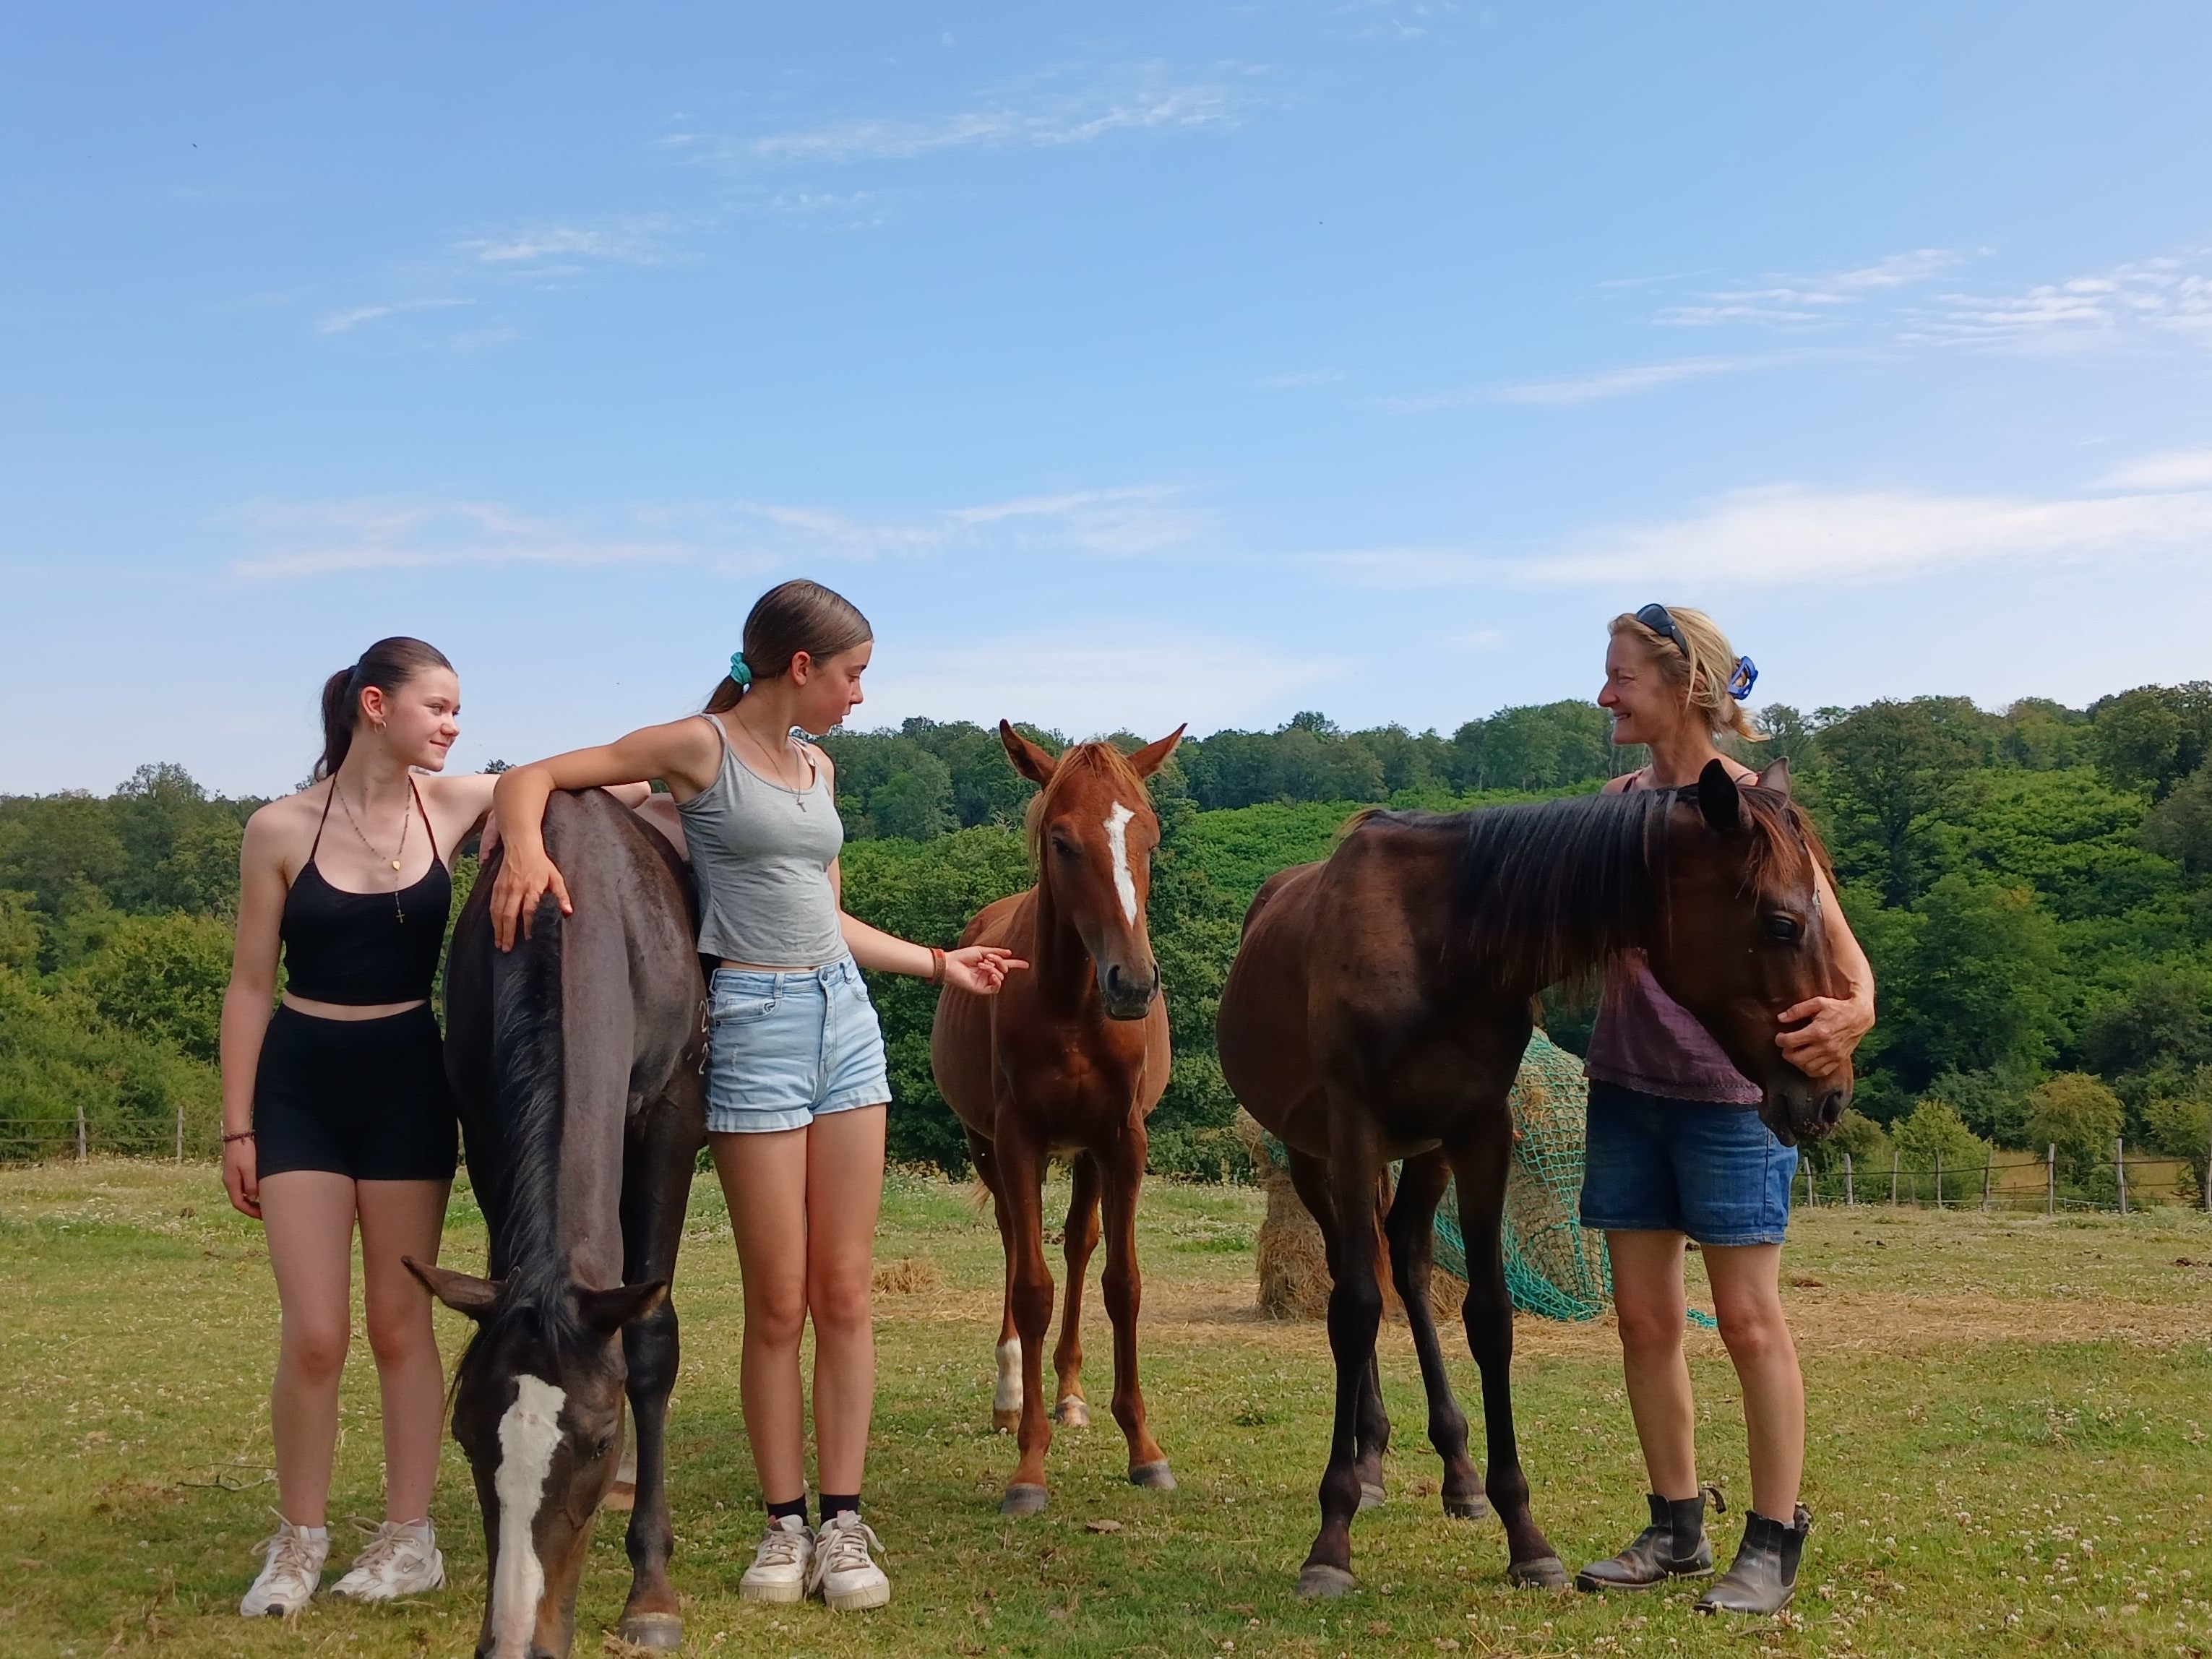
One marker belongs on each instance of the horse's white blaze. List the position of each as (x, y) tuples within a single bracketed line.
[(528, 1435), (1007, 1395), (1117, 838)]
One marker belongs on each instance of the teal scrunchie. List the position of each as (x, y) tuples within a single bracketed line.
[(739, 670)]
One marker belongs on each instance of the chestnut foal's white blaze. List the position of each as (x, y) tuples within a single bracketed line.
[(1117, 839), (529, 1434)]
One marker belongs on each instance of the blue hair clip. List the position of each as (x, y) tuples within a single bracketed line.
[(1746, 677), (739, 670)]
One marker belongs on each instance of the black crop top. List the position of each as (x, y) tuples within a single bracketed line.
[(358, 949)]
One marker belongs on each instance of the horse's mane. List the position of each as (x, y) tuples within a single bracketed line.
[(1546, 891), (1102, 758)]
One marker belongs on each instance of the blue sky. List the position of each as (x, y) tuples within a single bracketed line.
[(1127, 365)]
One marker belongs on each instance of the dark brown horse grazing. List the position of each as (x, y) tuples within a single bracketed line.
[(575, 1062), (1378, 1007), (1068, 1058)]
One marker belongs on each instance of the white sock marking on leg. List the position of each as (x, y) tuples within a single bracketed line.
[(1007, 1396), (528, 1435), (1117, 837)]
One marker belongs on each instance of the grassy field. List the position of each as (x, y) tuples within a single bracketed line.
[(2009, 1420)]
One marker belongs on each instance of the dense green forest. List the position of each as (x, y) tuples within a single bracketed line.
[(2035, 887)]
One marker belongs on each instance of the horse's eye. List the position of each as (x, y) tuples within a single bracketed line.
[(1785, 928)]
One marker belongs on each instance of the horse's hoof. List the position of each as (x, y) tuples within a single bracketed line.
[(1370, 1494), (1024, 1500), (623, 1495), (1476, 1508), (1324, 1583), (1007, 1422), (1545, 1573), (663, 1632), (1072, 1412), (1158, 1476)]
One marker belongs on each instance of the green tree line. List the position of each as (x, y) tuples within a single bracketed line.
[(2033, 886)]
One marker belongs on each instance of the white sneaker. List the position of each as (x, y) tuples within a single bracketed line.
[(399, 1560), (847, 1578), (781, 1564), (292, 1568)]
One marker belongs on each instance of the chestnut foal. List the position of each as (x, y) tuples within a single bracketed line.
[(1067, 1060)]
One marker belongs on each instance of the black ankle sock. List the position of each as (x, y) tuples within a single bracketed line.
[(797, 1506), (834, 1505)]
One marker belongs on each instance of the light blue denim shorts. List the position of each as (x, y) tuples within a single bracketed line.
[(783, 1049), (1714, 1171)]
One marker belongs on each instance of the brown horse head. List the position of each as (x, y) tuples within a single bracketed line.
[(537, 1406), (1092, 830), (1741, 934)]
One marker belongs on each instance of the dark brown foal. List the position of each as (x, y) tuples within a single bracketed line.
[(1068, 1060), (1378, 1007)]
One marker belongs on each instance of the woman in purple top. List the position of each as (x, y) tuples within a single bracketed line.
[(1676, 1151)]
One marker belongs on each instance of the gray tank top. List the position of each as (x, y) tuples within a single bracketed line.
[(761, 855)]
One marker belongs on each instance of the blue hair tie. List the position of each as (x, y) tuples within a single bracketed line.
[(739, 670), (1746, 677)]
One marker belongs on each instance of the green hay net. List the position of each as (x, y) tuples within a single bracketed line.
[(1552, 1267)]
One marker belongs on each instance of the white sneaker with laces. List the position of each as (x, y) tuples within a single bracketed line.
[(845, 1574), (782, 1562), (291, 1568), (400, 1559)]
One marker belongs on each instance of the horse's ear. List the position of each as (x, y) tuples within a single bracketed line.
[(1154, 755), (1717, 798), (608, 1311), (465, 1293), (1031, 761), (1775, 776)]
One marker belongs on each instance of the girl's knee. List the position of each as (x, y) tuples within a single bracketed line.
[(1751, 1328), (841, 1302), (775, 1318), (314, 1351), (398, 1335)]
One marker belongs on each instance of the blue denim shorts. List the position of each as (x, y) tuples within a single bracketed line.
[(783, 1049), (1713, 1172)]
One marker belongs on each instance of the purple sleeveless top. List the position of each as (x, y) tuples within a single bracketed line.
[(1646, 1041)]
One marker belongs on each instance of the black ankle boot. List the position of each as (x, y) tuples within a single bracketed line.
[(1673, 1545), (1765, 1576)]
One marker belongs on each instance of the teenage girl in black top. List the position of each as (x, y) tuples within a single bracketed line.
[(334, 1102)]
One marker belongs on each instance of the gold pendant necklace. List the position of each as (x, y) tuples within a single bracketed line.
[(377, 852)]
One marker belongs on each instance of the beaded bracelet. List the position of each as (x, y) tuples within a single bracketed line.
[(936, 966), (243, 1135)]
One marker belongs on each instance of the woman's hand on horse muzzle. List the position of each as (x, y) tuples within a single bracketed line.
[(1823, 1045)]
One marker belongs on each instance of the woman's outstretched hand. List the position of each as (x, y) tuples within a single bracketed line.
[(980, 969), (524, 877)]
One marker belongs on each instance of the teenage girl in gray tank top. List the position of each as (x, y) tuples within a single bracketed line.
[(796, 1086)]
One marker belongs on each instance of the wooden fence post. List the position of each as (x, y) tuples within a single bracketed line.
[(1847, 1184), (1893, 1178), (2207, 1182), (1939, 1178), (2120, 1169), (1989, 1163), (180, 1132), (2051, 1181), (80, 1131)]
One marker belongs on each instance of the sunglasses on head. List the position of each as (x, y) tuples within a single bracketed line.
[(1660, 621)]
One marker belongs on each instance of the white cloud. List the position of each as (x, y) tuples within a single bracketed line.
[(637, 241), (2178, 469), (1039, 113), (1570, 390), (1094, 675), (1799, 301), (311, 538), (1791, 535), (2165, 299), (344, 322)]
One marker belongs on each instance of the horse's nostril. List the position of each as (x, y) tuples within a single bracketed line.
[(1832, 1107)]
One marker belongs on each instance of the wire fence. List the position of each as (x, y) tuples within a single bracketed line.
[(186, 1135), (2052, 1183)]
